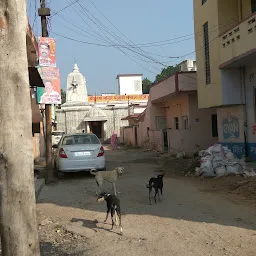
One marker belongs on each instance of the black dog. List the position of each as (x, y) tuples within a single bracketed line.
[(157, 184), (113, 206)]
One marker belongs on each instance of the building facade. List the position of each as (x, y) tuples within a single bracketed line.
[(225, 37), (129, 84), (100, 115), (172, 121)]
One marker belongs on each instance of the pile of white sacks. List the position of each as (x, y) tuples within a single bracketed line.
[(219, 161)]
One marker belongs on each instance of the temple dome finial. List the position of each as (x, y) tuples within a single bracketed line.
[(75, 68)]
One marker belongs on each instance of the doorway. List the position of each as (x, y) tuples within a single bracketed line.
[(96, 128), (214, 126), (165, 137), (136, 135)]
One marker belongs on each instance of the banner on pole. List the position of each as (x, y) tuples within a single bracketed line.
[(50, 94), (47, 52)]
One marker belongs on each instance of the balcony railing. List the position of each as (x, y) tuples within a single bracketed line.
[(238, 42)]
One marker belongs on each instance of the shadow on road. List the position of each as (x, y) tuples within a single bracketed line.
[(48, 249), (94, 224), (75, 175), (182, 200)]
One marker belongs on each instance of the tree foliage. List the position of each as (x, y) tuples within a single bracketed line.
[(167, 72), (146, 83)]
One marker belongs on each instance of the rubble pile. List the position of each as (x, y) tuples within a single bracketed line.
[(218, 161)]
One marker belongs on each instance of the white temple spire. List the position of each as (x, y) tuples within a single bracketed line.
[(76, 87), (75, 68)]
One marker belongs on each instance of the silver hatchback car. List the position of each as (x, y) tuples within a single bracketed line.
[(79, 152)]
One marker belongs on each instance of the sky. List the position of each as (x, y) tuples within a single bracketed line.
[(107, 38)]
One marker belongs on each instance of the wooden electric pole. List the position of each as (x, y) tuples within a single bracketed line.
[(18, 226), (43, 12)]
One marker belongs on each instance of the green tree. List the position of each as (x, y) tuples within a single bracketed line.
[(167, 72), (63, 96), (146, 83)]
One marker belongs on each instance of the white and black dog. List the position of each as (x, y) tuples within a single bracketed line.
[(113, 207), (157, 184)]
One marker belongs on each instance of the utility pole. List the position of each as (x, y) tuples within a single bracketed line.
[(44, 12), (18, 226), (128, 105)]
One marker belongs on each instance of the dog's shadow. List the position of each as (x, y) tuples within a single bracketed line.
[(92, 224)]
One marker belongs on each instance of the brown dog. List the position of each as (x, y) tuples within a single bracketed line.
[(110, 176)]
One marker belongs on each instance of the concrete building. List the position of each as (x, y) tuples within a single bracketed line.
[(35, 80), (188, 65), (172, 121), (129, 84), (225, 37), (100, 115)]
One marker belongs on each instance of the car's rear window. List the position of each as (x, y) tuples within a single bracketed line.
[(80, 139)]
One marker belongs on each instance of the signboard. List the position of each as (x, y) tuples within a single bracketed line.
[(101, 99), (50, 94), (47, 52), (231, 127)]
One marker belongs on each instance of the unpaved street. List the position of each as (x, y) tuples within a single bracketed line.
[(188, 221)]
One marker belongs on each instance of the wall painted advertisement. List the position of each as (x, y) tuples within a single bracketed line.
[(50, 94), (231, 130), (47, 52), (230, 127)]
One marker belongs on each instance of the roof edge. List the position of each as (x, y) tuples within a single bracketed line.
[(123, 75)]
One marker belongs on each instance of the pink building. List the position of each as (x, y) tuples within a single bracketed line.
[(172, 120)]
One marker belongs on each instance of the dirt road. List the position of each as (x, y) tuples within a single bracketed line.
[(186, 222)]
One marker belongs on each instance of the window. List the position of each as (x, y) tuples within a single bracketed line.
[(35, 128), (137, 85), (80, 140), (203, 1), (214, 126), (160, 122), (185, 122), (253, 3), (176, 123), (207, 54)]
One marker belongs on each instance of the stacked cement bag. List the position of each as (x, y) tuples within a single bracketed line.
[(219, 161)]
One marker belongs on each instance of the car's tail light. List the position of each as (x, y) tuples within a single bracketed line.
[(62, 153), (101, 152)]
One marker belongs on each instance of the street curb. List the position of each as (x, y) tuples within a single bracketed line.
[(39, 184)]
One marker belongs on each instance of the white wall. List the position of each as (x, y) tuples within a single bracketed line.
[(139, 110), (127, 85), (231, 87), (188, 65), (72, 120)]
